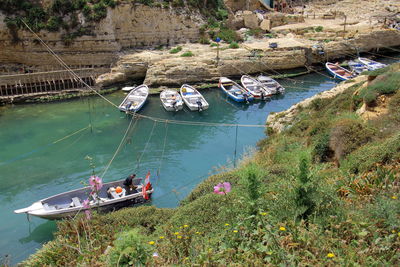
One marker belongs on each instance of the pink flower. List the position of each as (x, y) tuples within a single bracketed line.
[(96, 183), (86, 206), (222, 188)]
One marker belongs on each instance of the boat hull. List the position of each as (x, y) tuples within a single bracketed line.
[(191, 96), (235, 87), (346, 73), (135, 100)]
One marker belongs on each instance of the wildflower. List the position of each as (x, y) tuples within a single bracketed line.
[(86, 206), (222, 188), (398, 234), (151, 243), (179, 237), (393, 231), (186, 258), (185, 226), (96, 183), (263, 213), (282, 228), (235, 231), (176, 233), (227, 224), (162, 237), (330, 255), (197, 233), (155, 254), (394, 197)]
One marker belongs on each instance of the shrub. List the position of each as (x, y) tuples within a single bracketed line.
[(99, 12), (228, 35), (304, 191), (175, 50), (213, 45), (255, 32), (204, 40), (53, 23), (221, 14), (319, 29), (130, 249), (233, 45), (187, 54), (178, 3), (321, 151)]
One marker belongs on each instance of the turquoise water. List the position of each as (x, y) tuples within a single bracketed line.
[(44, 148)]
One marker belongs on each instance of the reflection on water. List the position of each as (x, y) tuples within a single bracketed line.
[(36, 160)]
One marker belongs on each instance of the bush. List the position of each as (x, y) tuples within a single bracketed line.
[(187, 54), (228, 35), (204, 40), (130, 249), (233, 45), (175, 50), (319, 29), (388, 83), (321, 151), (53, 23), (99, 12)]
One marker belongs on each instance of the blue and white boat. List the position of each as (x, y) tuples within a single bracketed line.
[(234, 90), (193, 99), (339, 72), (357, 67), (135, 100), (372, 65)]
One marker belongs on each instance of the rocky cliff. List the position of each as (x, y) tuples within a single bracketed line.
[(126, 26)]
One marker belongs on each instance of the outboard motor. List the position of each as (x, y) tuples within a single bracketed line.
[(199, 104), (174, 105), (246, 98)]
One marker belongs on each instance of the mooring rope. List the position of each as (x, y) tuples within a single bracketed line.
[(145, 147)]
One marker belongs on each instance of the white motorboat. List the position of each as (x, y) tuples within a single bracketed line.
[(135, 100), (271, 84), (171, 100), (256, 88), (193, 99)]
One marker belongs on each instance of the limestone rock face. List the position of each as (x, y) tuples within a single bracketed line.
[(126, 26), (250, 20), (265, 25)]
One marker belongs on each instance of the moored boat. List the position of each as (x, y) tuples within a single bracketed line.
[(371, 64), (68, 204), (171, 100), (271, 84), (234, 90), (127, 88), (135, 100), (256, 89), (339, 72), (357, 67), (193, 99)]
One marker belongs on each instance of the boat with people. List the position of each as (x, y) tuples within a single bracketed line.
[(271, 84), (171, 100), (234, 90), (193, 99), (111, 196), (135, 100), (339, 72), (371, 64), (256, 89)]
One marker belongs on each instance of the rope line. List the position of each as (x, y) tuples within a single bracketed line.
[(145, 147), (119, 146)]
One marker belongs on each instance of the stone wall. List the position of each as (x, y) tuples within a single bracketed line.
[(126, 26)]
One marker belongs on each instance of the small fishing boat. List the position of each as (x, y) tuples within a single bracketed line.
[(127, 88), (171, 100), (339, 72), (271, 84), (68, 204), (357, 67), (371, 64), (234, 91), (193, 99), (257, 89), (135, 100)]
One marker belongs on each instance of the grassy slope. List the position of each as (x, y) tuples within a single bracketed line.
[(323, 192)]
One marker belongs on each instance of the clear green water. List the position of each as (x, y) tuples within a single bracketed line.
[(32, 166)]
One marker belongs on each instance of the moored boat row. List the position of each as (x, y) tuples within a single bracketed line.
[(357, 66), (261, 88)]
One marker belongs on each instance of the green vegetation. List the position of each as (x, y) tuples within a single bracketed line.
[(175, 50), (187, 54), (324, 192), (318, 29), (233, 45)]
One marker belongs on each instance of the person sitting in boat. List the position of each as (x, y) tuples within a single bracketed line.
[(128, 184)]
